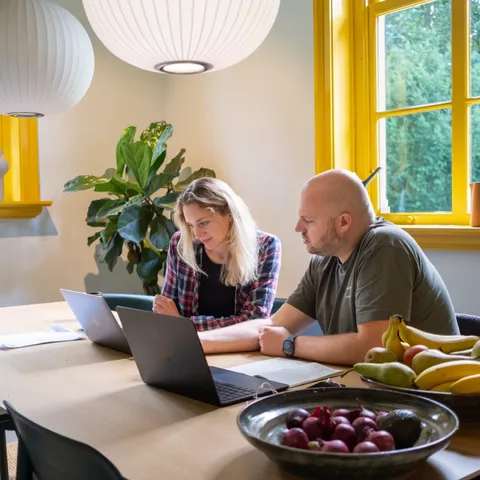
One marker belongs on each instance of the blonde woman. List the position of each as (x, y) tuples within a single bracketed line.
[(221, 269)]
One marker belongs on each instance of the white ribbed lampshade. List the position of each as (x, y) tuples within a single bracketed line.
[(181, 36), (46, 58)]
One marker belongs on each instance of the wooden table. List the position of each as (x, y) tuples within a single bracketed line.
[(95, 395)]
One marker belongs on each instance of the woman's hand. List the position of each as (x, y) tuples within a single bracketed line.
[(165, 305)]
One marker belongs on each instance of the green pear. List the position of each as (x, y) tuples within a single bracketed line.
[(395, 374), (380, 355), (429, 358), (476, 351)]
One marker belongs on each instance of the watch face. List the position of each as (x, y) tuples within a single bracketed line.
[(288, 347)]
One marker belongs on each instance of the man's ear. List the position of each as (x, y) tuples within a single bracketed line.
[(345, 221)]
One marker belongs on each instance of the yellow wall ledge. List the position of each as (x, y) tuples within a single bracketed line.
[(22, 209), (445, 237)]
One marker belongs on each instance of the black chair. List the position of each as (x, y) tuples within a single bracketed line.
[(313, 330), (140, 302), (51, 456), (6, 424), (468, 324)]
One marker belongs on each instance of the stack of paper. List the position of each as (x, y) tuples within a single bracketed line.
[(289, 371), (56, 334)]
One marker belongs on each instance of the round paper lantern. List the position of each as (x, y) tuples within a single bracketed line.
[(181, 36), (46, 58)]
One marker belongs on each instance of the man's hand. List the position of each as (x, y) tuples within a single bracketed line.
[(271, 340), (165, 305)]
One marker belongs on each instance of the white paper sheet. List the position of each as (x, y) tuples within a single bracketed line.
[(56, 334), (289, 371)]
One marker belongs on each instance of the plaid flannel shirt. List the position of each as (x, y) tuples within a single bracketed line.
[(253, 300)]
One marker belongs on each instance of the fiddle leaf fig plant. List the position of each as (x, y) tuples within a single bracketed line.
[(140, 197)]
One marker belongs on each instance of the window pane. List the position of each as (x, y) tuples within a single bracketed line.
[(414, 56), (416, 153), (475, 48), (475, 149)]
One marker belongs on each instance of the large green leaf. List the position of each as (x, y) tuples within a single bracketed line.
[(157, 162), (120, 186), (93, 237), (138, 157), (157, 132), (168, 201), (94, 208), (175, 164), (133, 222), (150, 265), (99, 223), (158, 181), (83, 182), (161, 231), (201, 173), (109, 230), (111, 208), (127, 137), (130, 267), (113, 251), (166, 133), (161, 145), (113, 186)]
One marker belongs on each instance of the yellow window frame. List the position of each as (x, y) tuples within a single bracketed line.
[(19, 141), (345, 84)]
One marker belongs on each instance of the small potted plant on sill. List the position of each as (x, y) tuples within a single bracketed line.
[(141, 194)]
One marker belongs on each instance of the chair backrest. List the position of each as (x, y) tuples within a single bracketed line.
[(140, 302), (51, 456), (312, 331), (468, 324)]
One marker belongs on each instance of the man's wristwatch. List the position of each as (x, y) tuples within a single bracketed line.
[(289, 346)]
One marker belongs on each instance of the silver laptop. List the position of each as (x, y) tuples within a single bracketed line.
[(97, 320)]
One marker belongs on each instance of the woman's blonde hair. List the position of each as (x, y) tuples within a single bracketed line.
[(242, 256)]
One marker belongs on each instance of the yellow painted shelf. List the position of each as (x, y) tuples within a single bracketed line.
[(22, 209)]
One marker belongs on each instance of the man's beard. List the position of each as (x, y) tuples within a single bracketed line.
[(328, 245)]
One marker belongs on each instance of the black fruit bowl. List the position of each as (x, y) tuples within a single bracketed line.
[(465, 406), (263, 422)]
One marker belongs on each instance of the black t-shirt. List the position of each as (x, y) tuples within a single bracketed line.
[(215, 298)]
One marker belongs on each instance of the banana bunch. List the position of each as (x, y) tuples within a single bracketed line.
[(391, 339), (457, 377), (445, 343)]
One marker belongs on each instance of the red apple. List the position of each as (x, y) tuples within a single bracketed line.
[(411, 352)]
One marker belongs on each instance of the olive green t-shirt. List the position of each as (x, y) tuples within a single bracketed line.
[(386, 274)]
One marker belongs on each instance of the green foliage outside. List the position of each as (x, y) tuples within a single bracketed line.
[(418, 72), (141, 194)]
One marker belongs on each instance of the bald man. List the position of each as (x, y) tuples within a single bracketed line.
[(363, 270)]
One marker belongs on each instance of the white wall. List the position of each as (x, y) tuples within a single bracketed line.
[(459, 271), (40, 255), (253, 123)]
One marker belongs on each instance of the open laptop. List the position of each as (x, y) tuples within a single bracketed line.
[(169, 355), (96, 319)]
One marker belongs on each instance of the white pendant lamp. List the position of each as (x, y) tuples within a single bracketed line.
[(46, 58), (181, 36)]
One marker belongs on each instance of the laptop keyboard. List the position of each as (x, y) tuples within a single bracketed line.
[(228, 391)]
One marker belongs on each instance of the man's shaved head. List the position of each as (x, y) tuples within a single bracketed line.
[(335, 211), (340, 191)]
